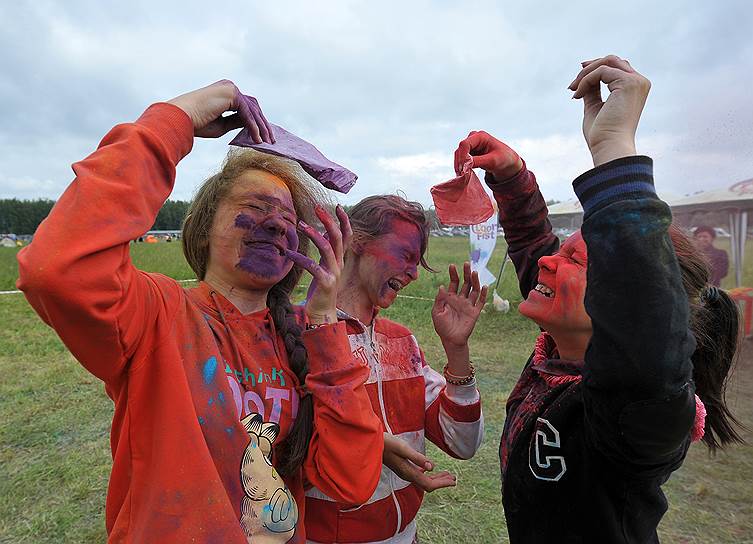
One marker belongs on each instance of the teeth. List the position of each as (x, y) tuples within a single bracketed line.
[(544, 290), (395, 284)]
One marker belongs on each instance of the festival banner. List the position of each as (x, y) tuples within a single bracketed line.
[(483, 239)]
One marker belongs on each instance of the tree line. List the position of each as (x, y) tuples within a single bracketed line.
[(24, 216)]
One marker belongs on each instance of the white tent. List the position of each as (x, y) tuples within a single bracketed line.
[(737, 201), (570, 209)]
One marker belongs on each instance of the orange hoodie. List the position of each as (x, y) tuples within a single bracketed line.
[(202, 393)]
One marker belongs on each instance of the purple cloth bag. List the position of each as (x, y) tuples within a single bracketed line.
[(331, 175)]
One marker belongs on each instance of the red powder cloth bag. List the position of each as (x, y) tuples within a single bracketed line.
[(462, 200)]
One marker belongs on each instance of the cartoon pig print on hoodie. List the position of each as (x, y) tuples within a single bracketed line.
[(269, 513)]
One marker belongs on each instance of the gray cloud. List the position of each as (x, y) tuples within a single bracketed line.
[(386, 88)]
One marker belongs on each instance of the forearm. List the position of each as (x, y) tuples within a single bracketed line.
[(638, 373), (453, 419), (345, 454), (115, 197), (635, 295), (458, 359)]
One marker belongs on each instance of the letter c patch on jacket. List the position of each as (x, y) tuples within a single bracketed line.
[(542, 458)]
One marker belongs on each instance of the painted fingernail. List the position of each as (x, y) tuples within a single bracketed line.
[(302, 224)]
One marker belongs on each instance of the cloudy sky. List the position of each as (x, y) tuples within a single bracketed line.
[(385, 88)]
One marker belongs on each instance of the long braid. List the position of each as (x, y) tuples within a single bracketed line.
[(292, 452)]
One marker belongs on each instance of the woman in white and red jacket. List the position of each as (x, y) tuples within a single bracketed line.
[(412, 400)]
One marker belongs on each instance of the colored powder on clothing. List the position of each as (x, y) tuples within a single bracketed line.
[(210, 367)]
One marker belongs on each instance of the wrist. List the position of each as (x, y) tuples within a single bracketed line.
[(607, 151), (508, 171), (468, 376), (322, 317), (458, 357)]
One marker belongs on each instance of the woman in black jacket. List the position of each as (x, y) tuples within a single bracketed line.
[(635, 348)]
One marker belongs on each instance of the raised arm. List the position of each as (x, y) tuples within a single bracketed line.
[(638, 389), (522, 209), (77, 273), (453, 419)]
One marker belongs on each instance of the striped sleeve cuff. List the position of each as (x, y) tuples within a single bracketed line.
[(627, 178)]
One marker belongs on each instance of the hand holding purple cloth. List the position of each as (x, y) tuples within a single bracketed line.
[(331, 175)]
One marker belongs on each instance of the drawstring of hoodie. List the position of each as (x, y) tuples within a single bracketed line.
[(233, 344)]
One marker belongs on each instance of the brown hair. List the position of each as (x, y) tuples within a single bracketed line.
[(372, 218), (196, 227), (715, 324)]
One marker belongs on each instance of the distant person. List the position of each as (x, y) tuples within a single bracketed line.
[(413, 401), (636, 347), (704, 237), (228, 400)]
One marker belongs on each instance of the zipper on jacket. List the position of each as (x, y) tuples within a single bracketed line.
[(378, 368)]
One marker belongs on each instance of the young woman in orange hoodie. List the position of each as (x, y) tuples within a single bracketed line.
[(227, 399)]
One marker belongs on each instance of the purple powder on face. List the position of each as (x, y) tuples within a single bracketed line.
[(262, 259), (243, 221)]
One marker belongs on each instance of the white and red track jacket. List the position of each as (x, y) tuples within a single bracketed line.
[(413, 401)]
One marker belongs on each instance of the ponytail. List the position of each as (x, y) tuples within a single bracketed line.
[(715, 323), (716, 332)]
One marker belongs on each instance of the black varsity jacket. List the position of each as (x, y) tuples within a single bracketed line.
[(585, 461)]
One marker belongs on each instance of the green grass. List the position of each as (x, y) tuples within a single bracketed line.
[(55, 421)]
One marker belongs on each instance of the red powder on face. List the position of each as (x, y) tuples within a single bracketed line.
[(565, 274), (393, 261)]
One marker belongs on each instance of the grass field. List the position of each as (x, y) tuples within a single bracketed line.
[(55, 420)]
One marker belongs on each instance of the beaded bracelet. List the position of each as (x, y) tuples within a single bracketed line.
[(459, 380)]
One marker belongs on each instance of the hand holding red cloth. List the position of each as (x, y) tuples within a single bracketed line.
[(462, 200)]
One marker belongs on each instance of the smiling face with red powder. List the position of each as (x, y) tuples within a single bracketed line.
[(556, 304)]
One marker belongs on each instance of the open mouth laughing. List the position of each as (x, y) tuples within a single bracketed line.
[(544, 290), (395, 284)]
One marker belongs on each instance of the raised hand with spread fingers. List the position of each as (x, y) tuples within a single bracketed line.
[(455, 312), (321, 305)]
